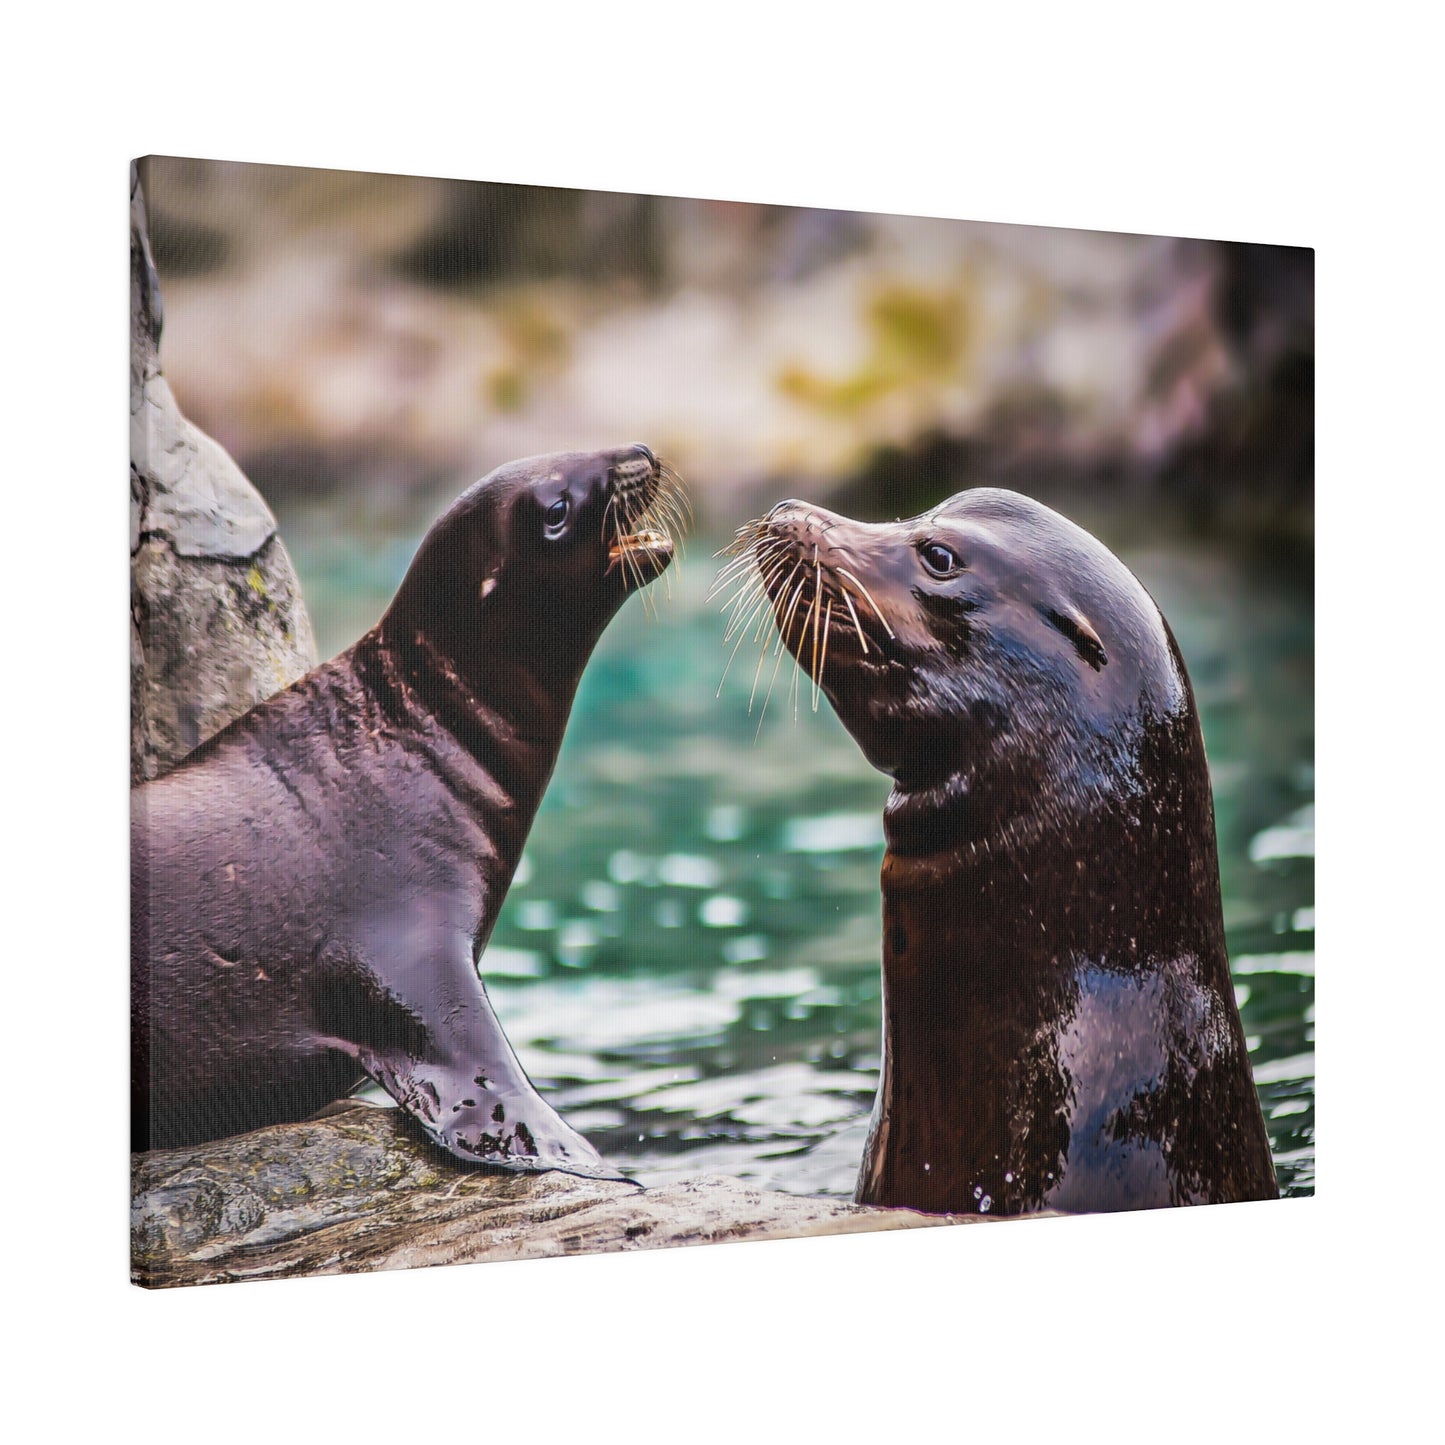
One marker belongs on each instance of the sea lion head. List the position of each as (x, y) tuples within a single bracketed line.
[(989, 654), (546, 548)]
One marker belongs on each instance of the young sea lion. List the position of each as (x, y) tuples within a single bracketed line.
[(1059, 1025), (312, 888)]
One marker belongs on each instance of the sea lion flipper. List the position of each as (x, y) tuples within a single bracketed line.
[(430, 1038)]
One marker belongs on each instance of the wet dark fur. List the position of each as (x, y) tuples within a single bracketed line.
[(1060, 1028), (312, 887)]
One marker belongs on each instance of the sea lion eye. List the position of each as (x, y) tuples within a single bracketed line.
[(940, 560), (557, 514)]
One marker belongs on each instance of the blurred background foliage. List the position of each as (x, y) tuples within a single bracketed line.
[(688, 958), (344, 330)]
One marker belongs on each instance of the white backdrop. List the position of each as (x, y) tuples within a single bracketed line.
[(1221, 121)]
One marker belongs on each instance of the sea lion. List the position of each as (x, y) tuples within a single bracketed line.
[(1059, 1025), (313, 887)]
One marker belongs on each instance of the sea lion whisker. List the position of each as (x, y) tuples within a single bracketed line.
[(763, 655), (661, 515), (786, 631), (858, 626), (673, 526), (614, 513), (812, 617), (671, 485), (827, 627), (638, 512), (771, 681), (623, 547), (677, 532), (756, 555), (817, 596), (740, 585), (723, 583), (629, 557), (742, 539), (843, 571), (745, 587), (681, 504), (757, 607), (649, 600), (769, 569), (746, 536), (783, 630), (802, 637), (788, 581), (758, 672), (783, 633), (609, 513), (743, 598), (743, 606), (738, 567)]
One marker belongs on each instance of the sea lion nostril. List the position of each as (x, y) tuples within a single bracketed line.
[(646, 451)]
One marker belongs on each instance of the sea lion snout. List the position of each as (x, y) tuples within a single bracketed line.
[(816, 574), (637, 466), (821, 569), (805, 522), (645, 508)]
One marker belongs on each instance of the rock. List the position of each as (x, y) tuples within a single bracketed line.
[(217, 619), (360, 1190)]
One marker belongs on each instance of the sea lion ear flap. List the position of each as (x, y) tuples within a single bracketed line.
[(1080, 631), (487, 556)]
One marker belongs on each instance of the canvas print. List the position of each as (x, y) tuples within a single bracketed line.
[(659, 721)]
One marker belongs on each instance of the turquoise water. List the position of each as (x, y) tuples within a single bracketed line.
[(688, 961)]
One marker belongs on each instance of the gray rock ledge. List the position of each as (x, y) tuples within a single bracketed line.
[(217, 618)]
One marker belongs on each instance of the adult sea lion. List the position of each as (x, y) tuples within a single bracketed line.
[(1059, 1026), (312, 888)]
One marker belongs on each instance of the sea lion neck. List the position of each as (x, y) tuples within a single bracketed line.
[(492, 662), (497, 725), (1057, 1008), (1091, 854), (951, 819)]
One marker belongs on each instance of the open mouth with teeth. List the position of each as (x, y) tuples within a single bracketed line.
[(640, 542), (646, 513)]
